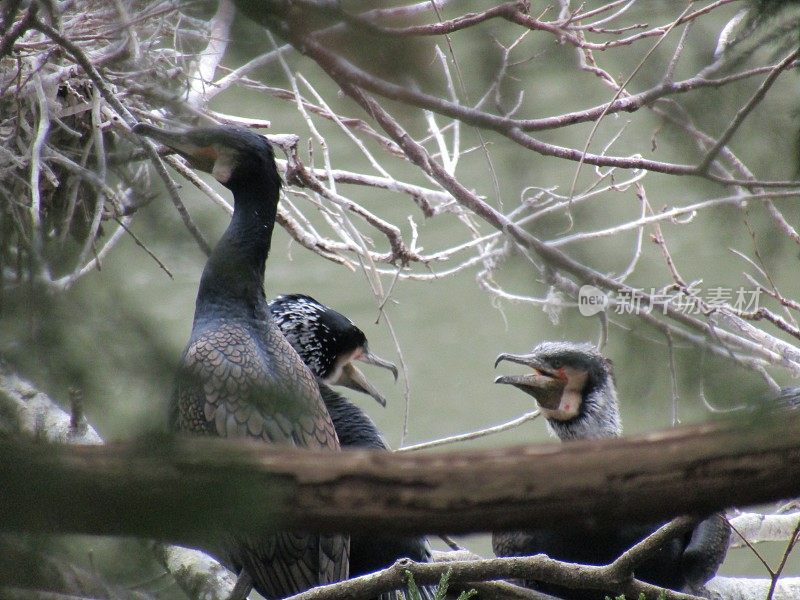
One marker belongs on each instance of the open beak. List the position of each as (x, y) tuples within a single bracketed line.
[(369, 358), (529, 360), (201, 157), (351, 377), (545, 385)]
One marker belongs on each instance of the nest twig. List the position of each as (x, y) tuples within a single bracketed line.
[(66, 169)]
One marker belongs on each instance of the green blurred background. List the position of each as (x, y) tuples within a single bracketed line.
[(119, 332)]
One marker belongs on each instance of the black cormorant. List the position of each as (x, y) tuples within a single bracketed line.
[(328, 342), (239, 377), (575, 389)]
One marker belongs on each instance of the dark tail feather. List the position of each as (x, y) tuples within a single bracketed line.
[(706, 550)]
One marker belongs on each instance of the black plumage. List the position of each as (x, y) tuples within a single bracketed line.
[(239, 377), (376, 551), (575, 389), (328, 342)]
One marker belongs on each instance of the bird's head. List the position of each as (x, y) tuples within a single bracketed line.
[(328, 342), (573, 385), (235, 156)]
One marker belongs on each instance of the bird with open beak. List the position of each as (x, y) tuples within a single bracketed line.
[(328, 342), (575, 388)]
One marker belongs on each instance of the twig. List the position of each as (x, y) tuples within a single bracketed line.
[(529, 416), (743, 112), (789, 547), (125, 225), (18, 29), (624, 566), (554, 257), (752, 528), (539, 568), (64, 283), (42, 130), (210, 57), (620, 91), (111, 98)]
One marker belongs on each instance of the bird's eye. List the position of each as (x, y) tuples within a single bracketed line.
[(556, 363)]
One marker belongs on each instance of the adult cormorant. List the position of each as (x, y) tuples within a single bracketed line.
[(329, 343), (238, 376), (575, 389)]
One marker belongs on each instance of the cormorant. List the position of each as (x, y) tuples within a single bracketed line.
[(575, 388), (238, 376), (328, 342)]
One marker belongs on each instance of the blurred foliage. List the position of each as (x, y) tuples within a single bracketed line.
[(441, 589), (48, 566), (396, 59)]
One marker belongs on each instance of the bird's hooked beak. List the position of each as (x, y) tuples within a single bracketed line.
[(352, 377), (201, 157), (545, 384), (371, 359)]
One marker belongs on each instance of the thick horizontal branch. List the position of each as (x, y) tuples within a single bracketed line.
[(191, 489), (27, 409)]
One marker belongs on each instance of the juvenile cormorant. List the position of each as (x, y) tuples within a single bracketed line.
[(575, 389), (239, 377), (328, 342)]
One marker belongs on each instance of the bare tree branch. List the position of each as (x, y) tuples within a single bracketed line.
[(647, 477)]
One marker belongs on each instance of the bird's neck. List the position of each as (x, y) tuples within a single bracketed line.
[(233, 278), (353, 427), (598, 418), (335, 402)]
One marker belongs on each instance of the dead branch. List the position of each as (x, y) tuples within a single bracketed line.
[(655, 476)]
